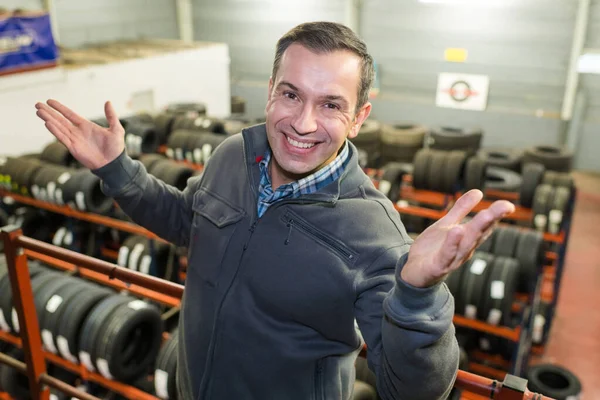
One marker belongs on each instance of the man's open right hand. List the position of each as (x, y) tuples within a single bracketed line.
[(91, 144)]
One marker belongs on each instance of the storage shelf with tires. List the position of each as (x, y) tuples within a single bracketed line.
[(541, 247)]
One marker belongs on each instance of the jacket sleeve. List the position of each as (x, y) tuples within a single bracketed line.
[(148, 201), (410, 337)]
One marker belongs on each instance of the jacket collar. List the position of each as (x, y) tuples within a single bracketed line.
[(255, 145)]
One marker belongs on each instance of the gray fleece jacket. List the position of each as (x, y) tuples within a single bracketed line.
[(272, 305)]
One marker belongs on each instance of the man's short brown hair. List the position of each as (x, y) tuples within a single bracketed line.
[(325, 37)]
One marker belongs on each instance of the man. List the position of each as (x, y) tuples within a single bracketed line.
[(290, 243)]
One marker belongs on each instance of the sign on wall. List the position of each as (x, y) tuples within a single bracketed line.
[(462, 91)]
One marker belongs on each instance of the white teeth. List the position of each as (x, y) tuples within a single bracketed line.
[(299, 144)]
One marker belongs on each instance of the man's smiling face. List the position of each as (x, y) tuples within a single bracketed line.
[(311, 110)]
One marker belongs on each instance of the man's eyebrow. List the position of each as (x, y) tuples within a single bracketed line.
[(288, 84), (333, 97)]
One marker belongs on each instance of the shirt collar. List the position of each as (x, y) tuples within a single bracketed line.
[(303, 185)]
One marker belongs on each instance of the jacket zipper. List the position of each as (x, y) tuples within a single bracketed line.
[(345, 253)]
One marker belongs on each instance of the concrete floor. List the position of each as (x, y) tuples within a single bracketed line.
[(574, 340)]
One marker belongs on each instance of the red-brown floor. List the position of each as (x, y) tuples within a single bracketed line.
[(574, 340)]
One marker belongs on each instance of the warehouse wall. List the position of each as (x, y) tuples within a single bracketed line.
[(88, 21), (251, 28), (589, 141), (523, 46)]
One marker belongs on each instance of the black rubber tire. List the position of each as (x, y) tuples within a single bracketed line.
[(172, 173), (421, 168), (186, 108), (505, 242), (401, 141), (502, 179), (148, 160), (5, 302), (233, 126), (502, 157), (369, 133), (38, 283), (475, 172), (550, 177), (177, 144), (453, 281), (557, 209), (24, 173), (463, 358), (165, 374), (41, 300), (162, 252), (437, 169), (553, 158), (13, 382), (500, 296), (238, 105), (137, 245), (125, 250), (200, 123), (130, 341), (564, 180), (541, 205), (140, 118), (453, 171), (72, 319), (163, 124), (488, 245), (84, 192), (391, 180), (363, 391), (19, 174), (474, 281), (530, 253), (196, 146), (553, 381), (58, 154), (94, 324), (36, 223), (52, 311), (56, 178), (532, 176), (453, 138), (147, 132), (172, 367)]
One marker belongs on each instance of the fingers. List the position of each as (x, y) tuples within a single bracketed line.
[(67, 112), (47, 114), (111, 115), (485, 218), (462, 207), (481, 225), (60, 133)]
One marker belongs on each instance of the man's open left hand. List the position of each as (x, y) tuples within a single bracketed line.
[(447, 244)]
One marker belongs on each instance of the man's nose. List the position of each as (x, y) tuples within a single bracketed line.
[(305, 121)]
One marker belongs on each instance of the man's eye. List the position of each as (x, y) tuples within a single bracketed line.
[(332, 106), (290, 95)]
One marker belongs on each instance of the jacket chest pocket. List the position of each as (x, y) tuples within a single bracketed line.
[(214, 224)]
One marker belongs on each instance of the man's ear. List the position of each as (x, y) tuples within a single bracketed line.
[(360, 117)]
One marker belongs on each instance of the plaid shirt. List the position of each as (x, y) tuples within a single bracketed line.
[(306, 185)]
